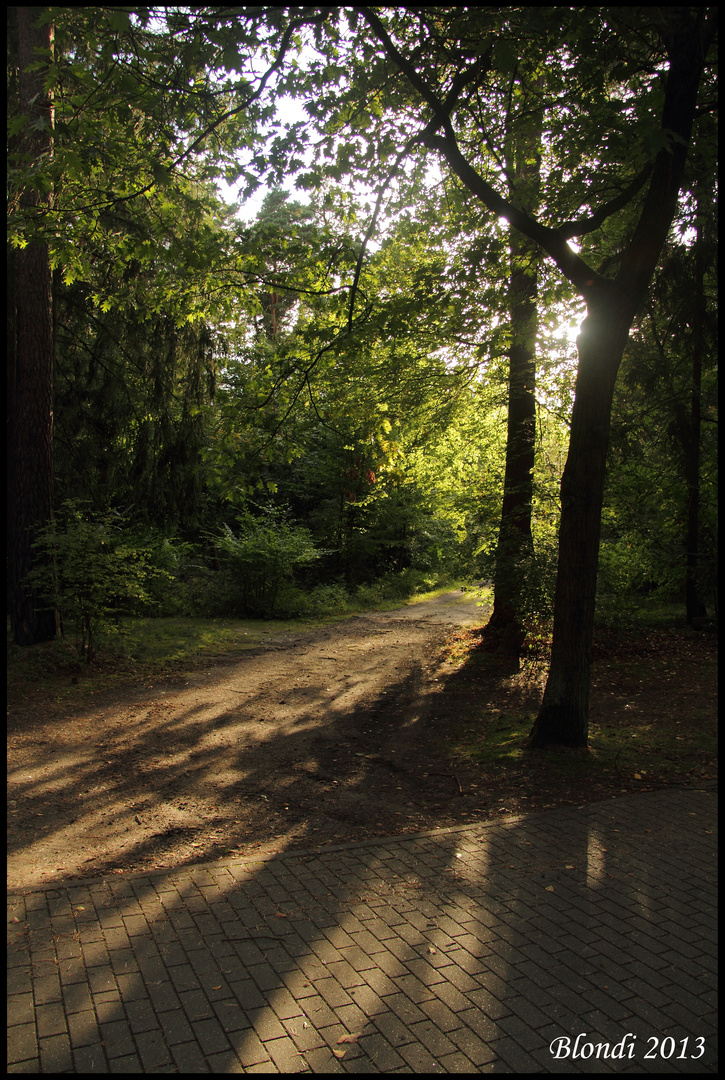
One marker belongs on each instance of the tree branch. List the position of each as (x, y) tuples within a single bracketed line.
[(582, 276), (595, 220)]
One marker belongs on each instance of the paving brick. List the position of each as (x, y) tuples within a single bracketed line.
[(50, 1020), (456, 1062), (20, 1009), (210, 1036), (381, 1054), (367, 1000), (437, 1011), (189, 1058), (19, 980), (509, 1051), (163, 996), (249, 1047), (513, 963), (429, 1035), (117, 1038), (404, 1008), (419, 1059), (100, 980), (83, 1029), (176, 1027), (333, 994), (46, 989), (89, 1059), (22, 1043), (55, 1054), (266, 1025), (318, 1011), (393, 1028), (153, 1050), (322, 1061), (304, 1036), (284, 1054), (490, 1005), (475, 1049), (413, 988)]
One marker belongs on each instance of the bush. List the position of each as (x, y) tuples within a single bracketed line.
[(95, 572), (257, 562)]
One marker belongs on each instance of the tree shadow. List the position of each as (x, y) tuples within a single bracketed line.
[(470, 949)]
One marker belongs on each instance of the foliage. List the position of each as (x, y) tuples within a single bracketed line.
[(257, 561), (97, 572), (340, 363)]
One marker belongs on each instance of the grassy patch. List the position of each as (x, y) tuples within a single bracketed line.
[(495, 741), (148, 648), (631, 753), (653, 712), (144, 648)]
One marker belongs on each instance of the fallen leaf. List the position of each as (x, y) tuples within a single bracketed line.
[(280, 915), (549, 888), (569, 867), (349, 1038), (431, 949), (339, 1053)]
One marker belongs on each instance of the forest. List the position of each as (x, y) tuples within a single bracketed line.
[(317, 308)]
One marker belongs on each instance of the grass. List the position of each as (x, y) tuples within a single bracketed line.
[(148, 648), (636, 735), (145, 648), (632, 752)]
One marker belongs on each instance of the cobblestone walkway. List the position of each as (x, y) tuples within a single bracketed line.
[(525, 945)]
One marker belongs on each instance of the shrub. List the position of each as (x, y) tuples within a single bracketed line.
[(95, 572), (258, 561)]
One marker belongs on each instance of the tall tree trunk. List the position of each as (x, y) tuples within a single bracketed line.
[(30, 467), (694, 606), (564, 715), (514, 550), (563, 718)]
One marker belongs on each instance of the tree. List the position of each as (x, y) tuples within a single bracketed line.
[(515, 543), (30, 361), (661, 497), (676, 43), (694, 606), (143, 123)]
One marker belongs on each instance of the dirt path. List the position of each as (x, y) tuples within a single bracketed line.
[(324, 736)]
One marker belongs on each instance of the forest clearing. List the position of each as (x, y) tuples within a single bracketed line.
[(382, 724)]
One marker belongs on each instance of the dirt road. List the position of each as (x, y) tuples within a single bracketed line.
[(323, 736)]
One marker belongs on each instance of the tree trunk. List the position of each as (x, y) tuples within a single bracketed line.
[(694, 606), (564, 715), (514, 550), (515, 546), (31, 407)]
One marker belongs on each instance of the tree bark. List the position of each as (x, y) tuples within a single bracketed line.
[(515, 547), (694, 607), (564, 715), (30, 487), (563, 718), (514, 550)]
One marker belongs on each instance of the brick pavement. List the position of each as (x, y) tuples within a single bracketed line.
[(462, 950)]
